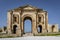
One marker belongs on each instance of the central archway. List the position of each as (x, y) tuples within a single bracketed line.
[(27, 25)]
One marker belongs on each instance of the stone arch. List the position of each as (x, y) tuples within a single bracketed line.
[(27, 18), (27, 15), (53, 28), (39, 29), (14, 29), (33, 20)]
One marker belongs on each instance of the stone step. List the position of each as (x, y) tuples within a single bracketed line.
[(27, 34)]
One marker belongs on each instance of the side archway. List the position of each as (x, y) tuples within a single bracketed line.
[(53, 28), (14, 29), (40, 29)]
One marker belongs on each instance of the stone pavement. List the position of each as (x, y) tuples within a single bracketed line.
[(34, 38)]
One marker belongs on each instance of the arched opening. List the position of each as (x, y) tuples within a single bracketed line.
[(27, 25), (14, 29), (39, 29), (53, 28), (39, 19)]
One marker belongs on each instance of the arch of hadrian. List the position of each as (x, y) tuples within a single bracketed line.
[(38, 17)]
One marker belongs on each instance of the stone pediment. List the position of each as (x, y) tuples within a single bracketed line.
[(27, 7)]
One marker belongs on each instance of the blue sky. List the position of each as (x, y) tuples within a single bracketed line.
[(51, 6)]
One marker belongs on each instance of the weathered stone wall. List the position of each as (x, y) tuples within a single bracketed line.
[(53, 29), (18, 16)]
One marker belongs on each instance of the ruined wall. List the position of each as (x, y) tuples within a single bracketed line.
[(39, 17), (53, 28)]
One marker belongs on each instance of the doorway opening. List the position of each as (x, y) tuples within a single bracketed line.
[(53, 28), (39, 29), (14, 29)]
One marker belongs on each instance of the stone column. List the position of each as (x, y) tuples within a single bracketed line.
[(34, 28), (57, 29), (18, 32), (45, 27), (46, 21), (22, 27), (37, 21), (19, 26), (9, 22), (42, 19)]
